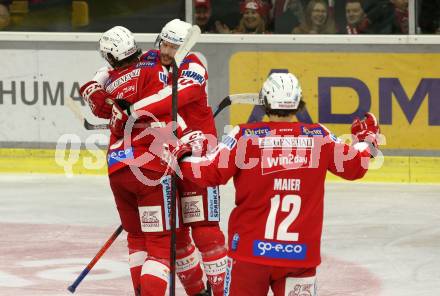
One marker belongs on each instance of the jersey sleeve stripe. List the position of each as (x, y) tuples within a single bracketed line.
[(195, 67), (161, 95)]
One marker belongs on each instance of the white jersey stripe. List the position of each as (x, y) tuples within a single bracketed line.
[(161, 95), (195, 67)]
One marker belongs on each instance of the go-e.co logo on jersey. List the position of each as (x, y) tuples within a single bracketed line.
[(279, 250), (116, 156)]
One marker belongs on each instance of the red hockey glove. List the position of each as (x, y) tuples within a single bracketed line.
[(196, 140), (181, 151), (100, 102), (366, 130), (120, 115), (368, 123), (191, 143)]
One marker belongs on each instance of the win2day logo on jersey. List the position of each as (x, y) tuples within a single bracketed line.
[(278, 160)]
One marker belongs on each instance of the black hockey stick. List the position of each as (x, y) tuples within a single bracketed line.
[(173, 214), (190, 40)]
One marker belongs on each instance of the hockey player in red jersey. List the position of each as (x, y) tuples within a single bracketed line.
[(142, 196), (200, 206), (279, 169)]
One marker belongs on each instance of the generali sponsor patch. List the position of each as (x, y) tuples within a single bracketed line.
[(286, 142), (192, 207), (123, 79), (151, 218)]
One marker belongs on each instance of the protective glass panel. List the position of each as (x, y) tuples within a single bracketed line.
[(302, 16)]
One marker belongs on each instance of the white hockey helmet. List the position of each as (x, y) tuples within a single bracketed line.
[(281, 91), (174, 32), (118, 42)]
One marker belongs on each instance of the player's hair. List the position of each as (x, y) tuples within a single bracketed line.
[(283, 112), (127, 61)]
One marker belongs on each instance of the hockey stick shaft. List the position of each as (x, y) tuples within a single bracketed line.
[(95, 259), (244, 98), (190, 40), (90, 126), (173, 190)]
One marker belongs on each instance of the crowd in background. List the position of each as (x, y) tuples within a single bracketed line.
[(224, 16), (311, 17)]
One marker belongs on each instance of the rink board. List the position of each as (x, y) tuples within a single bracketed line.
[(400, 169), (401, 89)]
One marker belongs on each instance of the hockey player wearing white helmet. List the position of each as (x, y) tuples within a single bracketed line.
[(281, 95), (132, 77), (195, 113), (275, 229), (118, 47), (170, 38)]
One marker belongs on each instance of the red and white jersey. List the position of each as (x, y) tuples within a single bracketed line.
[(132, 84), (147, 85), (193, 109), (279, 169)]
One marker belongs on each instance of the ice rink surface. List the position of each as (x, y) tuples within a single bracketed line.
[(378, 239)]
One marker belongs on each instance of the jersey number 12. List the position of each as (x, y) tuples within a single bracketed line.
[(290, 203)]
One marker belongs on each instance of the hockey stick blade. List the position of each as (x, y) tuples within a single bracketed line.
[(90, 126), (103, 126), (223, 104), (245, 98), (190, 40), (76, 110), (78, 114)]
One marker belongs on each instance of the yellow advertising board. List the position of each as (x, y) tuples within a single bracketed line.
[(402, 89)]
